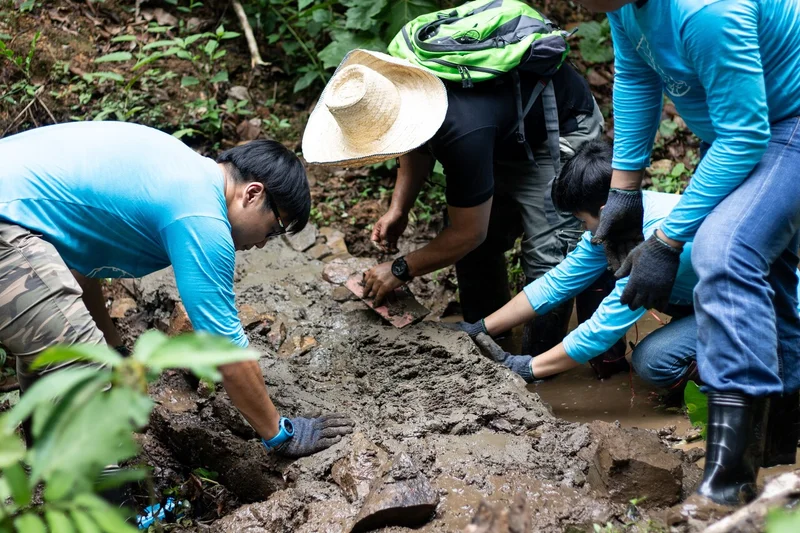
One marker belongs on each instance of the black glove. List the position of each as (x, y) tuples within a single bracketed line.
[(471, 329), (312, 435), (620, 228), (652, 268)]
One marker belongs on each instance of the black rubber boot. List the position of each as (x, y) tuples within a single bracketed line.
[(783, 430), (546, 331), (735, 446)]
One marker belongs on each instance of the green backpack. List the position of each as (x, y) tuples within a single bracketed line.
[(484, 39)]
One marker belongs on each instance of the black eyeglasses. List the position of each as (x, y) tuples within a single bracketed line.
[(275, 212)]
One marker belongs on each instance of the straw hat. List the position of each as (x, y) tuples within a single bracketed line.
[(376, 107)]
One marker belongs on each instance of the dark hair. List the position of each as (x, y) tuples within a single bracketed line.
[(585, 180), (279, 170)]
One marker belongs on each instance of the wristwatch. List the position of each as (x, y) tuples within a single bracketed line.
[(285, 432), (400, 269)]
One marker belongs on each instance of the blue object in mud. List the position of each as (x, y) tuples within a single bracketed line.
[(157, 512)]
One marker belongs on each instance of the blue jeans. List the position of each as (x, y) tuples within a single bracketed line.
[(664, 356), (745, 256)]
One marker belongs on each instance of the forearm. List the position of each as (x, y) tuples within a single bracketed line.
[(94, 301), (553, 361), (411, 174), (245, 386), (630, 180), (516, 312), (447, 248)]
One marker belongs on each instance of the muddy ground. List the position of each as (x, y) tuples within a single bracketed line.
[(469, 426)]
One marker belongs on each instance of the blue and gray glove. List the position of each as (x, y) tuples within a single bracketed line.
[(521, 364), (312, 435), (472, 329), (620, 227), (652, 268)]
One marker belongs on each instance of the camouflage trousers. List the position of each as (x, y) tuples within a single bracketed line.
[(40, 301)]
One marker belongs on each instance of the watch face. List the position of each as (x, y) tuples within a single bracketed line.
[(397, 270)]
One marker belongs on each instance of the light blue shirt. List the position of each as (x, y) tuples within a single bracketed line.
[(124, 200), (731, 67)]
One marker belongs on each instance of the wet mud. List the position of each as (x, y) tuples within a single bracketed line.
[(466, 427)]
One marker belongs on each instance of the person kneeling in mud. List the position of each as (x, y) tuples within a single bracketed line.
[(665, 358), (112, 199)]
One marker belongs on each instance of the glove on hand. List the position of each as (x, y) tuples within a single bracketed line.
[(312, 435), (620, 227), (652, 268), (471, 329)]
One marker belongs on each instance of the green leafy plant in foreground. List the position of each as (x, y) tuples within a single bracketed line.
[(595, 41), (83, 418), (696, 406), (783, 521)]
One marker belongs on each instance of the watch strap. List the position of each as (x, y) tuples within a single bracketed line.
[(285, 432)]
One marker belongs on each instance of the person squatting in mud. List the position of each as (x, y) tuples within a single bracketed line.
[(666, 358), (378, 107), (732, 69), (94, 200)]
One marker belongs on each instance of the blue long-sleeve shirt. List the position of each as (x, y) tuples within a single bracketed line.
[(123, 200), (731, 67)]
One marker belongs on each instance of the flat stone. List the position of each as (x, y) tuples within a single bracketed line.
[(239, 92), (403, 497), (121, 306), (342, 294), (250, 317), (338, 270), (337, 245), (297, 345), (355, 472), (277, 335), (319, 251), (633, 463), (179, 321), (330, 233), (304, 240), (248, 130)]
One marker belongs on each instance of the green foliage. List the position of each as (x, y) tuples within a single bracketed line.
[(783, 521), (83, 418), (24, 89), (595, 42), (696, 406), (315, 36), (671, 181)]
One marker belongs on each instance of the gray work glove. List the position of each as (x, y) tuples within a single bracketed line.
[(471, 329), (312, 435), (652, 268), (620, 227)]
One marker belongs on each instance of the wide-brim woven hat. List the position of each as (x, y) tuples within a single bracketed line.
[(375, 107)]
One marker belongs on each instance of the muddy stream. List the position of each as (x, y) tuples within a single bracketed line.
[(438, 426)]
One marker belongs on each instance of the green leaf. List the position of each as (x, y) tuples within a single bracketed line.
[(123, 39), (155, 28), (83, 522), (18, 483), (361, 13), (189, 81), (201, 353), (696, 406), (159, 44), (595, 45), (184, 132), (345, 41), (219, 77), (229, 35), (96, 353), (102, 76), (30, 523), (302, 4), (210, 47), (57, 487), (305, 80), (783, 521), (106, 516), (401, 11), (120, 477), (196, 37), (11, 449), (114, 56), (45, 390), (58, 522)]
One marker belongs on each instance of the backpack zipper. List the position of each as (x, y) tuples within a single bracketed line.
[(466, 79)]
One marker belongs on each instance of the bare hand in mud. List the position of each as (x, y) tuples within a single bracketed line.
[(387, 231), (312, 435), (379, 282)]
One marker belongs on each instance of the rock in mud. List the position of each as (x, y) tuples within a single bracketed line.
[(304, 240), (283, 513), (339, 270), (121, 306), (355, 472), (179, 321), (319, 251), (342, 294), (500, 519), (403, 497), (633, 463)]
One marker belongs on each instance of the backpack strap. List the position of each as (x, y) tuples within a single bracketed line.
[(551, 123), (523, 112)]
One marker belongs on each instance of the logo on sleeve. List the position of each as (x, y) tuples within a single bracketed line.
[(674, 87)]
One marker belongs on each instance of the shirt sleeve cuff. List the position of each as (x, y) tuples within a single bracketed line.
[(537, 298), (633, 164)]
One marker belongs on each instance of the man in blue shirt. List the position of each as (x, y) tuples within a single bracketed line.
[(732, 69), (111, 199)]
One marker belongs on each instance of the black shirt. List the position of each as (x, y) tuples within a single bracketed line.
[(480, 124)]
